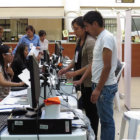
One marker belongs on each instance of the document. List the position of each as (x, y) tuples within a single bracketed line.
[(25, 77), (9, 108), (18, 93), (34, 51)]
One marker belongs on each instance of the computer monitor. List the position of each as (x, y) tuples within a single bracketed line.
[(46, 57), (57, 48), (35, 81)]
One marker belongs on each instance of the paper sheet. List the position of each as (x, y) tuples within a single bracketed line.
[(25, 77), (18, 93), (9, 108), (34, 51)]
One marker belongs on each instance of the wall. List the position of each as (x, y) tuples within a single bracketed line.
[(135, 59), (98, 3), (53, 27)]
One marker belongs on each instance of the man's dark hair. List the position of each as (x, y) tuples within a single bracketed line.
[(30, 27), (41, 33), (78, 21), (92, 16)]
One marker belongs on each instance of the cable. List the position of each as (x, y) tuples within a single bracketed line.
[(50, 91), (79, 126), (37, 124), (67, 94)]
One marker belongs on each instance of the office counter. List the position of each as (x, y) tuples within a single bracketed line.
[(69, 49), (77, 134)]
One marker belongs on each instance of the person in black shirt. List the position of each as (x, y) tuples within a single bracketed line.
[(20, 61)]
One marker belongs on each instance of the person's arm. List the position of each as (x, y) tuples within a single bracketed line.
[(38, 42), (86, 73), (107, 57), (75, 73), (6, 83), (10, 72), (64, 70), (46, 45)]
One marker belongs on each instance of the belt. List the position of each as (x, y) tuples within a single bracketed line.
[(95, 84)]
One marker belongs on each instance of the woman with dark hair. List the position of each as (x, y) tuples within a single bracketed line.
[(19, 63), (30, 39), (6, 72), (83, 57)]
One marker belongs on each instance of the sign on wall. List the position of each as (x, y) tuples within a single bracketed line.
[(125, 1)]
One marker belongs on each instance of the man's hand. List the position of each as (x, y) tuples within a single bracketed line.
[(38, 47), (62, 71), (21, 83), (77, 83), (70, 74), (95, 95)]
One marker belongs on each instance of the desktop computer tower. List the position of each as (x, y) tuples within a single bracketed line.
[(23, 125)]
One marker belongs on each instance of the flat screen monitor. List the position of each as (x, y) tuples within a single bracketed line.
[(46, 57), (35, 81), (57, 48)]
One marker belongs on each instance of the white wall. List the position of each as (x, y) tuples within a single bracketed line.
[(43, 3), (29, 3), (108, 3)]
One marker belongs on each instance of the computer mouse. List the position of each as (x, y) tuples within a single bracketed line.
[(19, 111)]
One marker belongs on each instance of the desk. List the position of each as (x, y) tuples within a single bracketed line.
[(77, 134)]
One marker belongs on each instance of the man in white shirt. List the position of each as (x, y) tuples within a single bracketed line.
[(103, 72)]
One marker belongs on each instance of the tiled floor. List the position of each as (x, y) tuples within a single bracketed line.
[(135, 103)]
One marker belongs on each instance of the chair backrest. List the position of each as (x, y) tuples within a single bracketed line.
[(119, 70)]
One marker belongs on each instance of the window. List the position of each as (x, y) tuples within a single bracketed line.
[(111, 25)]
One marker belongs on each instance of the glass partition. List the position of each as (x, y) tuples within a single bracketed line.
[(13, 28)]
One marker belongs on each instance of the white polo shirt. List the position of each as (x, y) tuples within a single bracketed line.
[(104, 40)]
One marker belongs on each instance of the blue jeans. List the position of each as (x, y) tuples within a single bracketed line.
[(105, 111)]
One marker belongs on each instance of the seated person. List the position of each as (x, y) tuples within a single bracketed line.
[(6, 72), (43, 41), (20, 62)]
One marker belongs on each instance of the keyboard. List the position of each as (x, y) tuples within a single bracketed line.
[(18, 88), (3, 119)]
